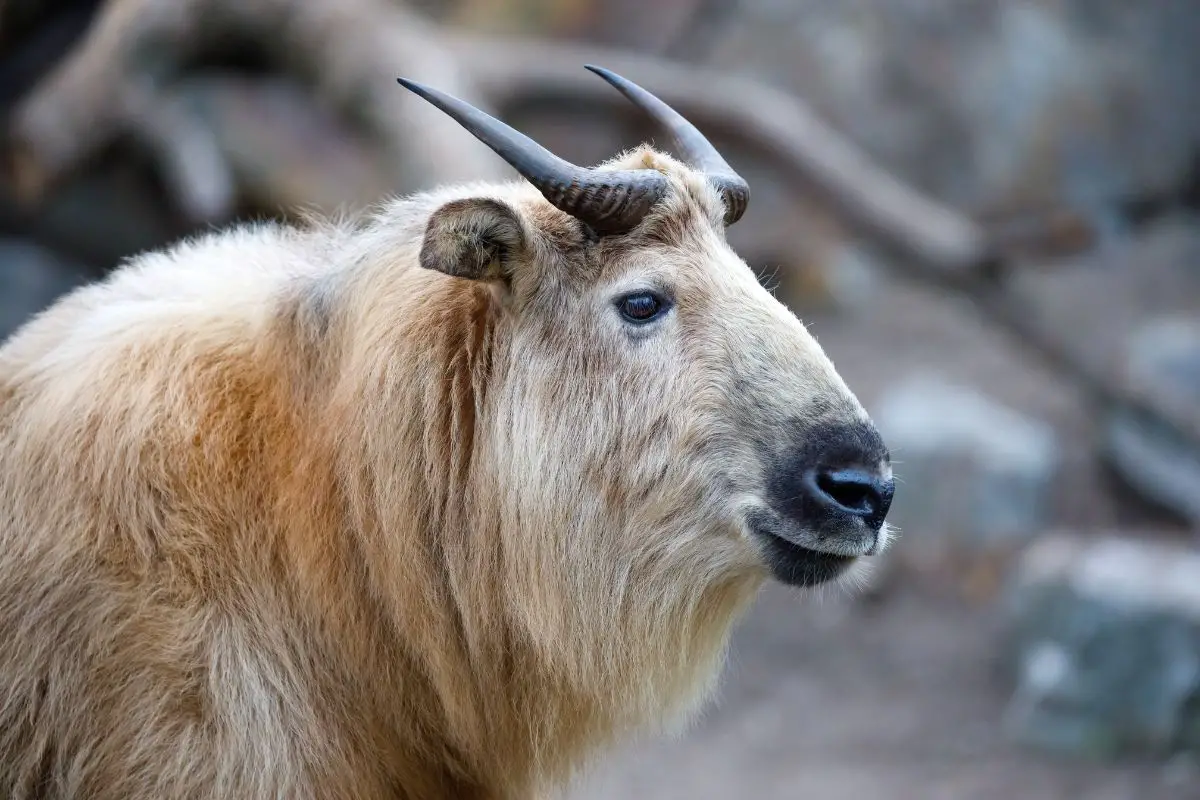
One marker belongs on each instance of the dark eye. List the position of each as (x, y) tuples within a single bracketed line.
[(641, 307)]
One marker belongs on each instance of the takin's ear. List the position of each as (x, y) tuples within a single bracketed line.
[(475, 238)]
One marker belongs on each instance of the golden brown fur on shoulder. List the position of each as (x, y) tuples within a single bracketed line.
[(413, 507)]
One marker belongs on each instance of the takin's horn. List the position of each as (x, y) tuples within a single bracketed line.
[(610, 201), (695, 149)]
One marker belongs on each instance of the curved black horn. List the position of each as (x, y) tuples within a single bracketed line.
[(610, 201), (692, 145)]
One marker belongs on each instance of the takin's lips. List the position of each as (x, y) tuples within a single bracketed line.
[(799, 566)]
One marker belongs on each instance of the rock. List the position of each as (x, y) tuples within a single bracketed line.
[(1163, 360), (965, 466), (991, 105), (1105, 646), (31, 278), (1094, 303)]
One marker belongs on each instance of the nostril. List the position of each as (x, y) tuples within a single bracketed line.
[(850, 492), (855, 491)]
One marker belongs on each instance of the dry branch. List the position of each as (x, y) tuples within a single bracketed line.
[(89, 98), (187, 152), (352, 50)]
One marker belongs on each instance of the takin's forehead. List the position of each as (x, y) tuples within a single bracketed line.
[(688, 218)]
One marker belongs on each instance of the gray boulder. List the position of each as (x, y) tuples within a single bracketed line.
[(1163, 360), (1105, 646), (966, 466)]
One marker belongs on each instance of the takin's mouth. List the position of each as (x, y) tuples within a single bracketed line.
[(840, 545), (795, 565)]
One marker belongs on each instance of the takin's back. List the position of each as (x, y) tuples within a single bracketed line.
[(163, 528)]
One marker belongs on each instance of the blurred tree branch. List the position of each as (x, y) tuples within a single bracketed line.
[(351, 51)]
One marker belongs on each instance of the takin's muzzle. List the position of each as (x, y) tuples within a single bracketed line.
[(828, 496)]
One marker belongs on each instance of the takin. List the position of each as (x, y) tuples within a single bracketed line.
[(439, 502)]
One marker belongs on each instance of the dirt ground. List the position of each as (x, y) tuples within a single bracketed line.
[(827, 696), (826, 699)]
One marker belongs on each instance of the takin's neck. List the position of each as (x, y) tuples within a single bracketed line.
[(462, 676)]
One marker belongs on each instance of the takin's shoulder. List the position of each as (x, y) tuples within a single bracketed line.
[(168, 361), (208, 283)]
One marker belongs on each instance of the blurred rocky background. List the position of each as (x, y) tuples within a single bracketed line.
[(987, 213)]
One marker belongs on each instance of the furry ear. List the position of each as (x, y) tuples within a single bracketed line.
[(476, 238)]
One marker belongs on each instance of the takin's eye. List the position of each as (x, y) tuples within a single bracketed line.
[(642, 307)]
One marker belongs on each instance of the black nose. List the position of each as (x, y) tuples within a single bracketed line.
[(853, 491), (832, 488)]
